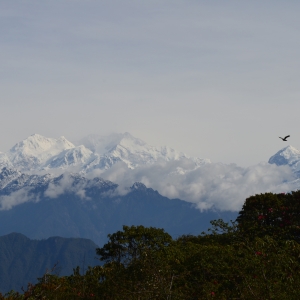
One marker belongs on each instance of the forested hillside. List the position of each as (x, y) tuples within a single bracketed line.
[(255, 257)]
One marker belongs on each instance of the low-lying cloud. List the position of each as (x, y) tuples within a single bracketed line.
[(18, 197), (66, 184), (218, 185), (212, 185)]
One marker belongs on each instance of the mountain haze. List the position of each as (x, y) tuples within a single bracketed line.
[(24, 260)]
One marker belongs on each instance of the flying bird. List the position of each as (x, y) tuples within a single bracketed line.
[(284, 139)]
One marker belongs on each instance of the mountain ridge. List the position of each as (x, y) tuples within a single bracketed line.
[(38, 153), (23, 260), (127, 160)]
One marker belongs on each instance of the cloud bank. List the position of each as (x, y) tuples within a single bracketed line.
[(66, 183), (18, 197), (213, 185), (217, 185)]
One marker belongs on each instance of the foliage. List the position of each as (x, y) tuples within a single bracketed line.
[(276, 215), (132, 243), (251, 258)]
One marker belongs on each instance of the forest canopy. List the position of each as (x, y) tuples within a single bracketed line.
[(256, 256)]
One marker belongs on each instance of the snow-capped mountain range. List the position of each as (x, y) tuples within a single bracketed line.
[(39, 153), (13, 180), (48, 187), (124, 160)]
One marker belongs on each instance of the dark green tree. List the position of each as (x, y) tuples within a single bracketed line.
[(132, 242), (276, 215)]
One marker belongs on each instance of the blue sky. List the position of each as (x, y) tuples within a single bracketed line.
[(214, 79)]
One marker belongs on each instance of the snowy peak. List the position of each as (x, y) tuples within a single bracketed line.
[(171, 154), (287, 156), (132, 151), (38, 153), (63, 143), (36, 150), (37, 144), (130, 142), (103, 144), (76, 156)]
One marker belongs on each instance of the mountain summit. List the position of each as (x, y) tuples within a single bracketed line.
[(132, 151), (34, 151), (287, 156), (39, 153)]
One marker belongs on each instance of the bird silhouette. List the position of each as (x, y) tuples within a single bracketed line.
[(284, 139)]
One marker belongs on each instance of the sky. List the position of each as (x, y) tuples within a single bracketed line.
[(214, 79)]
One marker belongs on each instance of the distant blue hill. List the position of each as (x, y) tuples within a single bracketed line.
[(23, 260)]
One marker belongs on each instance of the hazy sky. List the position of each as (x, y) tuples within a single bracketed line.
[(214, 79)]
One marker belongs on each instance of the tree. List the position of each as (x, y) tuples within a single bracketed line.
[(133, 242), (276, 215), (137, 263)]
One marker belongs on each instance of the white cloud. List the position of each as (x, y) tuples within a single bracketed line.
[(218, 185), (55, 190), (18, 197), (213, 185), (66, 184)]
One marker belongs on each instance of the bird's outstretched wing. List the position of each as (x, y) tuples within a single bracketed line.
[(284, 139)]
